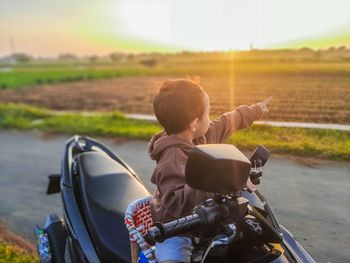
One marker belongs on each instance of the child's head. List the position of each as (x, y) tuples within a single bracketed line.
[(182, 105)]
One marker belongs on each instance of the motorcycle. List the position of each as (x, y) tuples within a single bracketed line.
[(96, 187)]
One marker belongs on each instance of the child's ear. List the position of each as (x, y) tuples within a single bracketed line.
[(193, 125)]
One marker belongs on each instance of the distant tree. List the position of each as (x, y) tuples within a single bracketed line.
[(306, 49), (318, 55), (186, 52), (344, 53), (93, 59), (151, 62), (131, 57), (67, 56), (21, 57), (116, 56)]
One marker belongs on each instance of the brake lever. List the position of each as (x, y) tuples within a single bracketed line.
[(221, 240)]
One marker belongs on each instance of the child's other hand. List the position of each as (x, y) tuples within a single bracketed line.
[(263, 104), (251, 187)]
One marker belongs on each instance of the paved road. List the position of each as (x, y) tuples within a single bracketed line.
[(312, 202)]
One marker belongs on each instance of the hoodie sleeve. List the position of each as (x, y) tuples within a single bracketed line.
[(178, 198), (242, 117), (181, 199)]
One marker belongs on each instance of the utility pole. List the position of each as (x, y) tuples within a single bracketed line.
[(12, 50), (12, 45)]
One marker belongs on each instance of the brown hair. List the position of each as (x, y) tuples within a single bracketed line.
[(177, 103)]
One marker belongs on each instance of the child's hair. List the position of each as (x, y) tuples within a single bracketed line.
[(178, 103)]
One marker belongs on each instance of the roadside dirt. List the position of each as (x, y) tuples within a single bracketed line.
[(11, 238)]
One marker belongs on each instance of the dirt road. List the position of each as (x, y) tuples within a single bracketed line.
[(311, 201)]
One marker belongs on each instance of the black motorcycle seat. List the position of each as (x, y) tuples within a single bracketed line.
[(107, 188)]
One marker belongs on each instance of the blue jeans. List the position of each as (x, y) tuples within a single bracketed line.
[(174, 249)]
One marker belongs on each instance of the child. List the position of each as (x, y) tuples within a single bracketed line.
[(182, 108)]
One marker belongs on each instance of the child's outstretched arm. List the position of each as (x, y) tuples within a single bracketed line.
[(240, 118)]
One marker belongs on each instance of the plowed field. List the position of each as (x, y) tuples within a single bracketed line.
[(322, 98)]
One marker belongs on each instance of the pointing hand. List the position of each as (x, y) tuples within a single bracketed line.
[(263, 104)]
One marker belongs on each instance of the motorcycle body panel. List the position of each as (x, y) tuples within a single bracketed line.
[(90, 221)]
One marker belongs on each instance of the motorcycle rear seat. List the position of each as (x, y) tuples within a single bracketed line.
[(107, 189)]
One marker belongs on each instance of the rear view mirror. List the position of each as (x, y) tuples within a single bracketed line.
[(259, 156), (54, 184), (217, 168)]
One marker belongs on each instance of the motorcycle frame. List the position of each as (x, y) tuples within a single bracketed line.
[(79, 244)]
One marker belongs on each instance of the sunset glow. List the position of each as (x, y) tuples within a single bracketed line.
[(51, 27)]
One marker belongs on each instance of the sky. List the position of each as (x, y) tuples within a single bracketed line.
[(48, 28)]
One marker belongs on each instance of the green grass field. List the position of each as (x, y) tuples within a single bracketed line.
[(317, 143), (30, 77), (34, 74)]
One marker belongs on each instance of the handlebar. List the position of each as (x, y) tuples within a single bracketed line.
[(160, 231), (209, 214)]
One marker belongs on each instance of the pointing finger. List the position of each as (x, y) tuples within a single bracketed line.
[(268, 99)]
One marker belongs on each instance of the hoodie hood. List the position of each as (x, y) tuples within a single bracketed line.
[(163, 141)]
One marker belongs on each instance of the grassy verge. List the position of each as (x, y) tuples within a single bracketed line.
[(10, 253), (318, 143), (14, 248), (25, 117)]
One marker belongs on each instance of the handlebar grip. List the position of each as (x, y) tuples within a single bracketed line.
[(160, 231)]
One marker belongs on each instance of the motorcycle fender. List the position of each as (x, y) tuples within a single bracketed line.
[(295, 248), (57, 237)]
